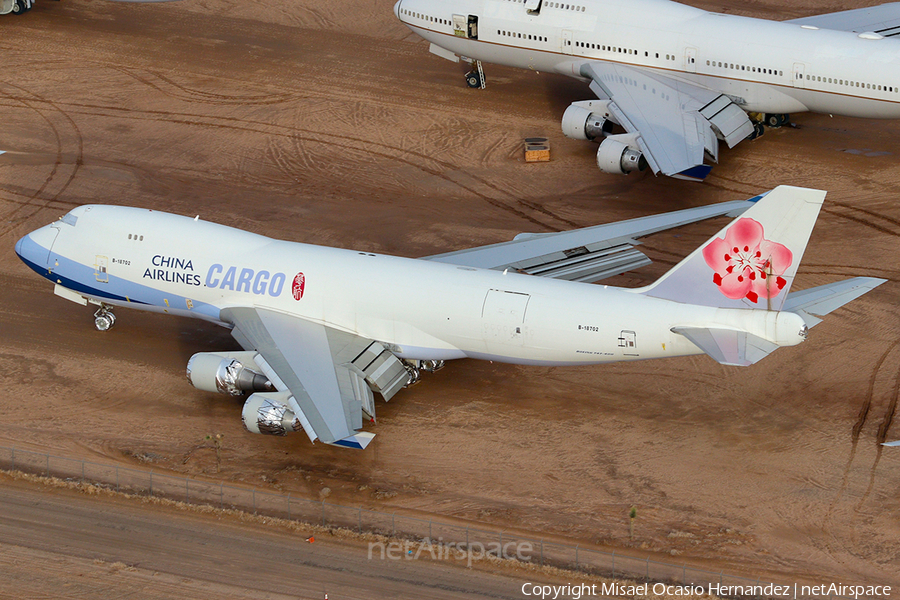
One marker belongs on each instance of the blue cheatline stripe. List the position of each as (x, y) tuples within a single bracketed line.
[(76, 286), (347, 444)]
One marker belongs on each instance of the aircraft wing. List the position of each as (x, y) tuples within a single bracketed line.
[(325, 371), (588, 254), (883, 20), (676, 123)]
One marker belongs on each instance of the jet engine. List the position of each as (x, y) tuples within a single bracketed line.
[(585, 121), (226, 373), (613, 156), (268, 414)]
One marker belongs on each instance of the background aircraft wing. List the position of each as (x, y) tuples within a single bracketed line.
[(325, 370), (677, 123), (883, 20), (588, 254)]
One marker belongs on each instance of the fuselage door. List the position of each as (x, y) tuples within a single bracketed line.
[(690, 60), (628, 343), (799, 75), (565, 41), (533, 6), (459, 25), (472, 31), (101, 269)]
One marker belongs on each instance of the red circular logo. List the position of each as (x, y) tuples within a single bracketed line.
[(299, 286)]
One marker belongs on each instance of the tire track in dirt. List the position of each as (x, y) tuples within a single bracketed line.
[(862, 418), (438, 168), (846, 211), (192, 95), (43, 194)]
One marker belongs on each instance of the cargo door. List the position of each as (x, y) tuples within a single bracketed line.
[(503, 317)]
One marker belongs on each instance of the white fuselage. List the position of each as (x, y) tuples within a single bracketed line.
[(764, 66), (419, 309)]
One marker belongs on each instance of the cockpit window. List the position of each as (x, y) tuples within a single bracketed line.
[(69, 219)]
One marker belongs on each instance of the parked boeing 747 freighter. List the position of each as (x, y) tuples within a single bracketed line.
[(675, 79), (322, 328)]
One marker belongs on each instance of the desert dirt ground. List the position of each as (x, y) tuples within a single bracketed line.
[(330, 123)]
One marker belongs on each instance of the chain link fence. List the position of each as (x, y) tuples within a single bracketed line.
[(439, 536)]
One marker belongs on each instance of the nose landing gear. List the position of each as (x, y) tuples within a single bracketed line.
[(104, 318)]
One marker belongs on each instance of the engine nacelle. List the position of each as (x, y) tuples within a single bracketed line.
[(268, 414), (613, 156), (583, 121), (226, 373)]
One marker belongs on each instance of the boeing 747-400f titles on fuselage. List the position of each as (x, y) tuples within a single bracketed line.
[(323, 327), (676, 79)]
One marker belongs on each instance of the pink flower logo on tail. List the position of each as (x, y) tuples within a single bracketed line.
[(746, 264)]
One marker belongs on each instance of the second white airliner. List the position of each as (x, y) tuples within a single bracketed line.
[(672, 80)]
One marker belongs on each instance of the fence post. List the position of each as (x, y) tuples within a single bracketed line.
[(684, 574), (542, 553), (13, 458), (221, 495), (576, 557), (254, 502), (48, 465), (429, 530), (467, 537), (151, 483), (187, 493), (648, 568), (117, 479), (82, 472), (721, 575), (614, 564), (323, 513), (289, 506), (501, 547)]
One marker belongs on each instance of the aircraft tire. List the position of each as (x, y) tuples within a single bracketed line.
[(775, 121), (473, 80), (104, 321)]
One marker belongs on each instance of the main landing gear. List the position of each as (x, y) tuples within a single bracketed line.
[(104, 318), (770, 120)]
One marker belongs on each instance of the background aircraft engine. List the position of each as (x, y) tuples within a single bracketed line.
[(226, 374), (615, 157), (266, 414), (581, 123)]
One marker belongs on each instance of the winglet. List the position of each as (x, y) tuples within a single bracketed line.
[(358, 441), (752, 262), (897, 443)]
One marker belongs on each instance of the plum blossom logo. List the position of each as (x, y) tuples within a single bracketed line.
[(299, 286), (746, 264)]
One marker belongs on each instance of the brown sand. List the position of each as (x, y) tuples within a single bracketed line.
[(330, 123)]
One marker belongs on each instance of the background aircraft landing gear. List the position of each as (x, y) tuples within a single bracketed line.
[(775, 121), (758, 130), (104, 318), (475, 77)]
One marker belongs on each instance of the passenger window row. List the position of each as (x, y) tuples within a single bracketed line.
[(745, 68), (428, 18), (845, 82), (618, 49), (522, 36)]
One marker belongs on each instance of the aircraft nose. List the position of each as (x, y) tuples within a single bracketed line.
[(34, 248), (397, 8)]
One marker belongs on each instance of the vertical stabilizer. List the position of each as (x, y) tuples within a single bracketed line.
[(752, 262)]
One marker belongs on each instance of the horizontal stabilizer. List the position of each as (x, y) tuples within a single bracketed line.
[(587, 254), (728, 346), (823, 299), (358, 441), (897, 443)]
